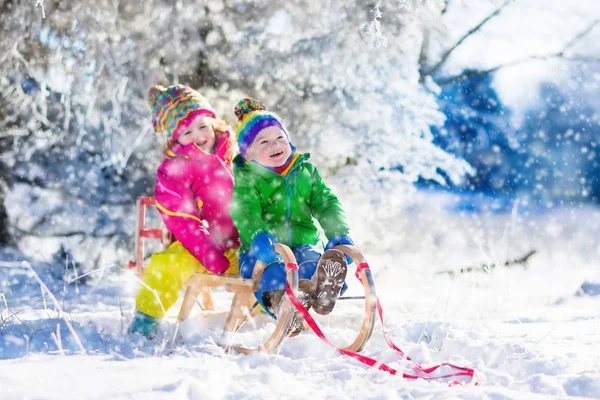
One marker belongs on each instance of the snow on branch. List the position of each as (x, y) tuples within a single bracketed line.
[(440, 63), (373, 28), (40, 3), (559, 54), (578, 37), (488, 267)]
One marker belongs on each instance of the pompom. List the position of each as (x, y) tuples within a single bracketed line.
[(154, 94), (246, 106)]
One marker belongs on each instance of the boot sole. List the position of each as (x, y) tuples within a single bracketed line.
[(331, 274)]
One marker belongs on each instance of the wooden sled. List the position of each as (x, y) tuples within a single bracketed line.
[(198, 287), (243, 299)]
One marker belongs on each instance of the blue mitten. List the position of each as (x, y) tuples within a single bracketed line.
[(340, 239), (262, 247)]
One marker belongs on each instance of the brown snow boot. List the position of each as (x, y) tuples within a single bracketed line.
[(306, 295), (330, 277), (272, 301)]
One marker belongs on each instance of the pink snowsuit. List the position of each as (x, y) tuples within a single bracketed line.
[(193, 194)]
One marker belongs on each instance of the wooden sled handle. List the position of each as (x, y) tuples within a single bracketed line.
[(368, 323), (285, 318)]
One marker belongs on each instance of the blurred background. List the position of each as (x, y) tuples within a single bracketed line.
[(494, 102)]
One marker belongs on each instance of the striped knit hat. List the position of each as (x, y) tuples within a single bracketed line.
[(253, 117), (175, 107)]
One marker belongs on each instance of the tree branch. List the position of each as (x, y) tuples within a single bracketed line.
[(486, 268), (578, 36), (423, 55), (83, 234), (445, 8), (42, 183), (559, 54), (440, 63)]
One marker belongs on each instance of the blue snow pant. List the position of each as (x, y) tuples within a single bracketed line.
[(273, 277)]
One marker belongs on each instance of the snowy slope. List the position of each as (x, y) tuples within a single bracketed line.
[(527, 332)]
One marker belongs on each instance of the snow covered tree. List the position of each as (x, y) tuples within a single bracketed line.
[(355, 103), (75, 127), (478, 129), (76, 78)]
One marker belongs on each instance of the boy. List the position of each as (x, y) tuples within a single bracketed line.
[(276, 195)]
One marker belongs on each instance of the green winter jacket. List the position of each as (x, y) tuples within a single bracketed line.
[(284, 206)]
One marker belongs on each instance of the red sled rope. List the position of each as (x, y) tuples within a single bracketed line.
[(420, 372)]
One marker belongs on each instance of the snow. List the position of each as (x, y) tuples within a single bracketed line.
[(530, 333)]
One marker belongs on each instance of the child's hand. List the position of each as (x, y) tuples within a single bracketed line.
[(336, 240), (262, 247), (340, 239)]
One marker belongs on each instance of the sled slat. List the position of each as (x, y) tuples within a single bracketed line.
[(222, 280), (152, 233)]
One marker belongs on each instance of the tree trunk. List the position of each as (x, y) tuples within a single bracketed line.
[(5, 237)]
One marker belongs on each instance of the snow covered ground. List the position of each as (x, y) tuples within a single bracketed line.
[(530, 333)]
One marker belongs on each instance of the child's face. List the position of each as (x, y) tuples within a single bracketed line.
[(270, 148), (200, 132)]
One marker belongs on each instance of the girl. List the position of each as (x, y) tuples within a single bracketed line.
[(193, 195), (277, 196)]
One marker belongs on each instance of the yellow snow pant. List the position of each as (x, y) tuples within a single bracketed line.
[(166, 275)]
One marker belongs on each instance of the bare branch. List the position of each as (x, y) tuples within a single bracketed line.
[(40, 3), (488, 267), (579, 36), (440, 63), (11, 132), (559, 54), (83, 234), (582, 58), (445, 8), (43, 183), (423, 54)]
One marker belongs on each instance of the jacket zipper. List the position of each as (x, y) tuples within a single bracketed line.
[(288, 195)]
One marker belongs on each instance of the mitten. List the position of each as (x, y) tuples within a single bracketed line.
[(336, 240), (340, 239), (262, 247)]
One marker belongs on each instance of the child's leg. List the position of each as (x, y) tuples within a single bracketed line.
[(307, 257), (272, 281), (166, 275)]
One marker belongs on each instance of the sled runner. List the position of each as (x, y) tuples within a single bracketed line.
[(244, 306)]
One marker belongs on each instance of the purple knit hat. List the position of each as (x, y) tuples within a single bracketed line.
[(253, 117)]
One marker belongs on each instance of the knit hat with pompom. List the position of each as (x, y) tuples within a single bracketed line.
[(175, 107), (253, 117)]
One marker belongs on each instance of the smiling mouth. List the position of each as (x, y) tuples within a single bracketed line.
[(276, 154)]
